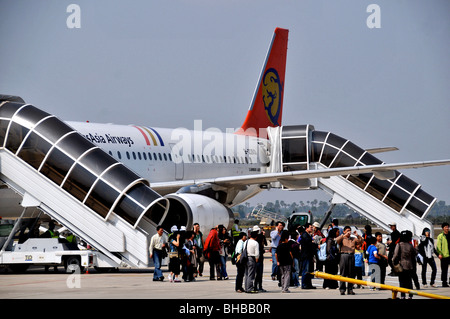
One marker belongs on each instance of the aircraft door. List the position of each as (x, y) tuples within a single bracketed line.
[(179, 165)]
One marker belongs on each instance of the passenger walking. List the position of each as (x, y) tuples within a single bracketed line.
[(240, 266), (225, 243), (426, 250), (405, 255), (190, 261), (199, 243), (211, 252), (250, 267), (262, 242), (157, 250), (372, 258), (175, 250), (332, 261), (307, 253), (285, 260), (347, 243), (382, 252), (443, 250), (295, 249), (275, 235), (392, 242), (359, 263)]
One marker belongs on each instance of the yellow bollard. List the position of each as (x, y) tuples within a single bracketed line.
[(394, 289)]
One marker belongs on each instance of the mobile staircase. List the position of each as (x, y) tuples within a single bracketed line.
[(383, 197), (77, 184)]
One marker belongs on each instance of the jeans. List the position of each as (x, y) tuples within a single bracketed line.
[(223, 268), (274, 262), (307, 266), (157, 258)]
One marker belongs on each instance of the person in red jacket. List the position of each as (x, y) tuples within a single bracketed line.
[(211, 252)]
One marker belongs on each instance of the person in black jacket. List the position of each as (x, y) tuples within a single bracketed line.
[(426, 249), (395, 238), (308, 250)]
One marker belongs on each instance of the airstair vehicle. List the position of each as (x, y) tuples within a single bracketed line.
[(382, 197), (57, 170)]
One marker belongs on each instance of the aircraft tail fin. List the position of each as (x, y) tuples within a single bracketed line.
[(267, 103)]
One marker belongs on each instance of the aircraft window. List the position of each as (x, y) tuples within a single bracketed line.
[(149, 156), (134, 155), (34, 150), (329, 153), (128, 209), (353, 150), (246, 160), (128, 155), (79, 182), (343, 160), (110, 153), (335, 140), (154, 156), (15, 137), (56, 166), (198, 159), (170, 157), (101, 198), (417, 207), (207, 159), (139, 155), (52, 128), (8, 109), (119, 156), (144, 155), (97, 161), (424, 196), (3, 127), (75, 145), (30, 114), (120, 177), (160, 157)]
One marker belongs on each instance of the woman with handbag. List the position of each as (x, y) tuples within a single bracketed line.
[(404, 261)]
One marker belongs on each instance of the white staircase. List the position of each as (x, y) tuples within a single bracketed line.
[(77, 184)]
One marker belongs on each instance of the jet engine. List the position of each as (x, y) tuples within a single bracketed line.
[(186, 209)]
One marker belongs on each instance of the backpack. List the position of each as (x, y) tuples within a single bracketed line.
[(244, 256), (322, 252)]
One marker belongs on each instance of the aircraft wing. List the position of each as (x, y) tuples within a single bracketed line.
[(381, 150), (382, 171)]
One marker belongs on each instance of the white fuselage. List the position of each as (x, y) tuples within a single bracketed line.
[(163, 155)]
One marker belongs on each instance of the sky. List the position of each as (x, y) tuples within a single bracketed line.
[(168, 63)]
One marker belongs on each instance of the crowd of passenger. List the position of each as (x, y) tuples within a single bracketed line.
[(297, 253)]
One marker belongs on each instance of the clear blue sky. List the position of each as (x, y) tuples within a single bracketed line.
[(167, 63)]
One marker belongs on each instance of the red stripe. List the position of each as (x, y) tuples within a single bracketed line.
[(143, 134)]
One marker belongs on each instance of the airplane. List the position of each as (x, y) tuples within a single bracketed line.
[(217, 170)]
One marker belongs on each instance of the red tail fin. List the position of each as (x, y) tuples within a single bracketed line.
[(267, 103)]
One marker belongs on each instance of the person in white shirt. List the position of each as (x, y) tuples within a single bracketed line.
[(239, 266), (250, 267), (158, 244)]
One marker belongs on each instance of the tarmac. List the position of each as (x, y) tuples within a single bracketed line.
[(138, 284)]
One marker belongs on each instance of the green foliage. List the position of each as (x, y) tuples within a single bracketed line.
[(438, 214)]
